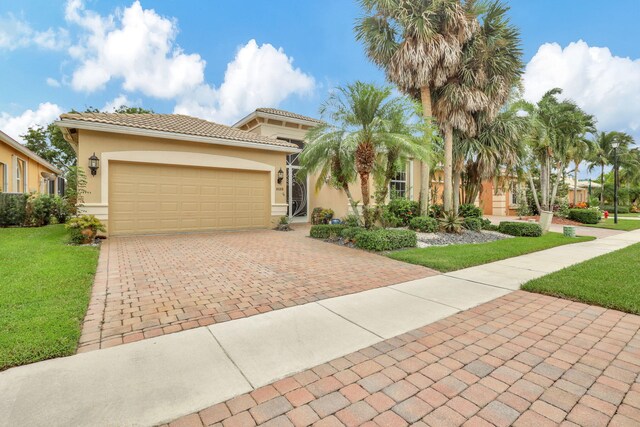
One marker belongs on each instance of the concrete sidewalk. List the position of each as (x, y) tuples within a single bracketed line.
[(557, 228), (158, 380)]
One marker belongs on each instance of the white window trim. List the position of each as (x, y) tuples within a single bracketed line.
[(24, 179), (404, 181), (5, 177)]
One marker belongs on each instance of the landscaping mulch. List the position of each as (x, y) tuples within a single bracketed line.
[(556, 220), (466, 236)]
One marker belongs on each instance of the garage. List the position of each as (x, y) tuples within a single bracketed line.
[(159, 198)]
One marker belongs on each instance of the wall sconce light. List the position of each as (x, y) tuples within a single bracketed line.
[(94, 164), (280, 176)]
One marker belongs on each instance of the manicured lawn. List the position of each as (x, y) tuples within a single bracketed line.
[(456, 257), (45, 286), (623, 224), (610, 280), (632, 215)]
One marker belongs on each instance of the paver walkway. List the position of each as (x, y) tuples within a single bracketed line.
[(153, 285), (159, 379), (523, 359)]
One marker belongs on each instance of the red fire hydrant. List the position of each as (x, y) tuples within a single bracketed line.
[(606, 214)]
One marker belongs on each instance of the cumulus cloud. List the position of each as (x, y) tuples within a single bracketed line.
[(14, 126), (116, 103), (15, 33), (601, 83), (136, 45), (257, 76)]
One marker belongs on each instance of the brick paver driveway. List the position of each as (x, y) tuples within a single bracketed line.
[(522, 360), (153, 285)]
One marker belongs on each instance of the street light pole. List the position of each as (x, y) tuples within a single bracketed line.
[(615, 182)]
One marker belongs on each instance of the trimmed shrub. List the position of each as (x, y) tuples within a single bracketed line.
[(349, 233), (388, 219), (321, 216), (385, 240), (491, 227), (436, 211), (468, 210), (485, 223), (403, 209), (326, 231), (585, 216), (621, 209), (424, 224), (523, 229), (472, 223), (351, 220), (12, 209), (39, 209), (83, 229)]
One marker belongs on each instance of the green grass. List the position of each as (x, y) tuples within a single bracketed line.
[(456, 257), (610, 281), (632, 215), (623, 224), (45, 286)]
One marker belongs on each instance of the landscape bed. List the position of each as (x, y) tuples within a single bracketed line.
[(46, 286)]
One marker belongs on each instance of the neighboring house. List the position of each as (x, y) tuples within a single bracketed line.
[(23, 171), (171, 173), (583, 190)]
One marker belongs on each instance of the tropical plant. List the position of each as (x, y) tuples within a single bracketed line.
[(419, 46), (424, 224), (602, 154), (359, 120), (83, 229), (451, 223)]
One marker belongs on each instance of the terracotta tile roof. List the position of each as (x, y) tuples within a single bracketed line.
[(175, 123), (288, 114)]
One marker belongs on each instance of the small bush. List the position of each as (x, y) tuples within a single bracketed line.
[(491, 227), (404, 209), (524, 229), (12, 209), (472, 223), (451, 223), (388, 219), (485, 223), (585, 216), (424, 224), (326, 231), (563, 209), (61, 210), (349, 233), (321, 216), (468, 210), (351, 220), (83, 229), (385, 240), (621, 209), (436, 211)]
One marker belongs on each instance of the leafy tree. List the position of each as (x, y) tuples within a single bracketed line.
[(419, 45), (602, 154)]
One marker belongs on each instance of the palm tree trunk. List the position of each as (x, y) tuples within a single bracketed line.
[(601, 184), (559, 173), (366, 195), (575, 183), (543, 185), (352, 202), (534, 192), (448, 168), (425, 97), (456, 191)]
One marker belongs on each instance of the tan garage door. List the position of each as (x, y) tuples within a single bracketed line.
[(151, 198)]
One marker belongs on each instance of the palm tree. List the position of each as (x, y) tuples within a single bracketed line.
[(490, 67), (419, 46), (328, 153), (582, 149), (603, 152), (363, 112)]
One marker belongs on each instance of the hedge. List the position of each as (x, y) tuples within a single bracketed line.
[(467, 210), (472, 223), (13, 209), (585, 216), (349, 233), (424, 224), (621, 209), (385, 240), (326, 231), (524, 229)]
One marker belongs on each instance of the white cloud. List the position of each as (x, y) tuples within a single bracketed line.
[(14, 126), (116, 103), (136, 45), (16, 33), (258, 76), (602, 84), (52, 82)]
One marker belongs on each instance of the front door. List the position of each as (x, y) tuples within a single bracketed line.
[(297, 195)]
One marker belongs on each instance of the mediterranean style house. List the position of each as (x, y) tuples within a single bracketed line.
[(157, 173), (23, 171)]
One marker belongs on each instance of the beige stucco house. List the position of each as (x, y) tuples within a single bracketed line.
[(23, 171), (162, 173)]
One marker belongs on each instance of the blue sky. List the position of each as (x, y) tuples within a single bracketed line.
[(53, 59)]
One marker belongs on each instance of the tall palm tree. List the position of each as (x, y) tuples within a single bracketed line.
[(603, 153), (490, 67), (329, 154), (582, 149), (419, 46), (363, 112)]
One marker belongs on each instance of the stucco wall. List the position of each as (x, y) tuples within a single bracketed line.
[(158, 150), (35, 182)]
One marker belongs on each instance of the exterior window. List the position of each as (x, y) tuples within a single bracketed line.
[(21, 179), (398, 185), (514, 194), (51, 186), (293, 159), (61, 186), (4, 178)]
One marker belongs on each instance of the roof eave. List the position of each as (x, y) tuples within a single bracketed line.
[(255, 114), (129, 130), (24, 150)]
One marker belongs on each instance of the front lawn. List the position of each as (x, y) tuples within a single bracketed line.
[(456, 257), (623, 224), (44, 292), (610, 280)]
